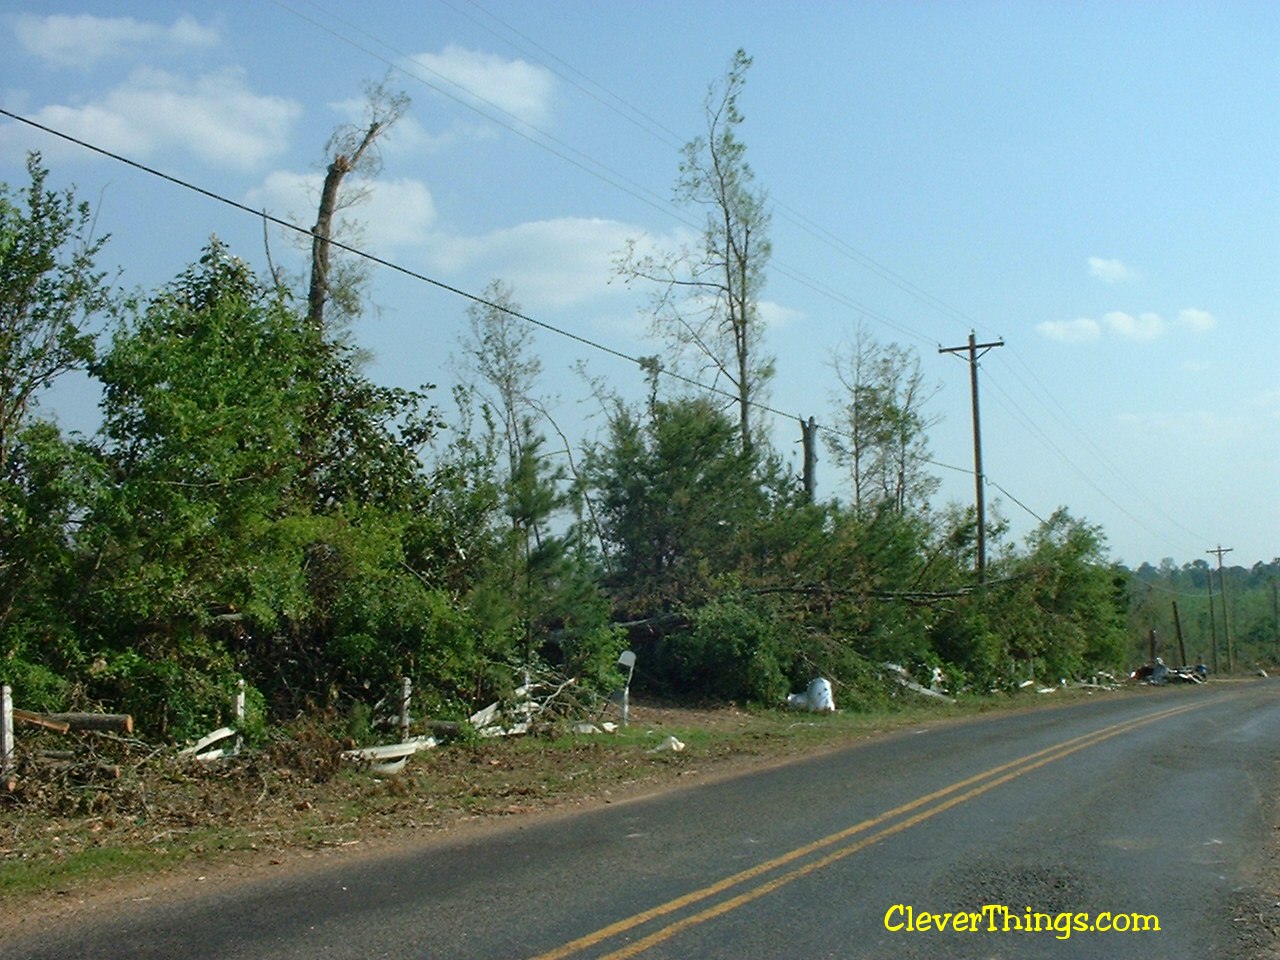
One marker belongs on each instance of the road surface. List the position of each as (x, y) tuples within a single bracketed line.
[(1122, 812)]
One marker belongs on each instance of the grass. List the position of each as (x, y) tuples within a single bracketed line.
[(164, 814)]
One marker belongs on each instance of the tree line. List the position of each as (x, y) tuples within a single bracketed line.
[(255, 506)]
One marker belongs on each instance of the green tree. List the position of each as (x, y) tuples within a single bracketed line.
[(49, 285), (676, 495), (45, 489), (706, 301), (883, 440), (1065, 611)]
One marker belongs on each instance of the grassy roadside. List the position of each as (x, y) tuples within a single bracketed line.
[(63, 839)]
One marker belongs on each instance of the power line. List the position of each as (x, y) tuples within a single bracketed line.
[(630, 187), (615, 179), (635, 116), (1056, 410), (1014, 410), (640, 362)]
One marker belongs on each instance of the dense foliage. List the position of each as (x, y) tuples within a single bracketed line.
[(255, 507)]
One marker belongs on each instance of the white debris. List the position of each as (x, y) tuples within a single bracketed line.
[(904, 678), (817, 697), (670, 744), (389, 759)]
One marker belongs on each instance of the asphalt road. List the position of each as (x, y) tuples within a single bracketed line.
[(1157, 805)]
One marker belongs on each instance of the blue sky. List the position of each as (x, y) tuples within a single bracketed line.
[(1097, 184)]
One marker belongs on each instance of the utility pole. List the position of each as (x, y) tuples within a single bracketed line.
[(1177, 627), (1213, 623), (972, 348), (1275, 616), (1226, 623)]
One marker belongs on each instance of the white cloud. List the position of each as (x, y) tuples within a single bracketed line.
[(1143, 328), (1199, 321), (1109, 271), (520, 89), (215, 117), (775, 315), (1147, 326), (84, 40), (551, 264), (395, 213), (1079, 330)]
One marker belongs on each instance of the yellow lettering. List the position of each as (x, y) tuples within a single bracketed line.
[(897, 909), (1062, 924)]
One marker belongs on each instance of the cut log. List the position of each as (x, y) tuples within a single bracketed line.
[(35, 719), (102, 722)]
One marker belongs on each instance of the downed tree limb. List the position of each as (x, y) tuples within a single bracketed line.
[(108, 722), (208, 740), (35, 719)]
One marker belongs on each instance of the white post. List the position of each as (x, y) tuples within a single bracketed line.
[(239, 714), (6, 738), (406, 691), (628, 660)]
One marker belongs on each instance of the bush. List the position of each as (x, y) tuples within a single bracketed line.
[(733, 651)]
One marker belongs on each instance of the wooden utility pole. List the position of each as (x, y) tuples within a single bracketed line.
[(1177, 627), (972, 348), (1226, 623), (1213, 624)]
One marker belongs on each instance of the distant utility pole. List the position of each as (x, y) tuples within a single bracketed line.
[(1226, 624), (972, 348), (1213, 623)]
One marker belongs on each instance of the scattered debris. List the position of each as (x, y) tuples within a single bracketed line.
[(817, 697), (1158, 673), (389, 759), (670, 744), (200, 749), (901, 675)]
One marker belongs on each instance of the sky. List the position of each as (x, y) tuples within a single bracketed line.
[(1095, 184)]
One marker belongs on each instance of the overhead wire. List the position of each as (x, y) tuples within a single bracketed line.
[(588, 164), (612, 178), (1015, 411), (631, 114), (1055, 409), (925, 297), (640, 362)]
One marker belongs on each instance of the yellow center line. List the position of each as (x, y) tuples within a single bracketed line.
[(1003, 773)]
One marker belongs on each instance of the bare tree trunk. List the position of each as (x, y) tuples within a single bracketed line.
[(322, 232)]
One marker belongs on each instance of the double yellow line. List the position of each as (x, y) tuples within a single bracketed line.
[(874, 830)]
